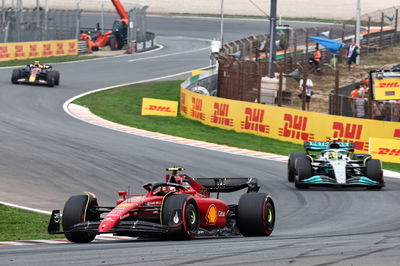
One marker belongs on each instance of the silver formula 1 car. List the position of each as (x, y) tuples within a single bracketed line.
[(334, 163)]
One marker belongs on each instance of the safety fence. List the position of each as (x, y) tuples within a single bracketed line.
[(138, 38), (24, 50), (20, 25)]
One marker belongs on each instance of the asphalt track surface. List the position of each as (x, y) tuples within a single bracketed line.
[(48, 156)]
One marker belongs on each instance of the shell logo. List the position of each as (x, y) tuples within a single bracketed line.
[(211, 214)]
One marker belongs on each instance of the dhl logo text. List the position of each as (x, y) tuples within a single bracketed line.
[(197, 107), (166, 109), (71, 47), (348, 132), (4, 52), (19, 51), (388, 151), (388, 85), (183, 103), (295, 127), (220, 116), (254, 120), (47, 49), (33, 51), (60, 49)]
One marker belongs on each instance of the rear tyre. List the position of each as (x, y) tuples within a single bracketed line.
[(51, 78), (303, 170), (291, 167), (77, 210), (181, 214), (373, 171), (57, 77), (16, 74), (256, 214)]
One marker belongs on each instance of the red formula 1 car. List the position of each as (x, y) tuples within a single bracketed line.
[(180, 208)]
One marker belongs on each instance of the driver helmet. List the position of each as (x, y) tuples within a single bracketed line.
[(36, 63)]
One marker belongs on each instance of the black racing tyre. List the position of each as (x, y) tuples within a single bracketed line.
[(51, 78), (16, 74), (373, 170), (115, 43), (303, 171), (181, 214), (57, 77), (256, 214), (77, 210), (291, 167), (95, 48)]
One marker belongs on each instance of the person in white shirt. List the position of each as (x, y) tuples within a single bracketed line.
[(308, 91)]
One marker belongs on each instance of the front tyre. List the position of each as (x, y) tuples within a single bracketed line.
[(303, 170), (181, 214), (16, 74), (373, 170), (256, 214), (291, 166), (76, 210)]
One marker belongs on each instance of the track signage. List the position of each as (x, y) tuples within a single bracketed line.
[(152, 106)]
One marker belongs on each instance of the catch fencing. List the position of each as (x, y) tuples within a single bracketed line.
[(20, 25), (138, 37)]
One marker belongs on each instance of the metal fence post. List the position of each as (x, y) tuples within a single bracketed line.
[(381, 31)]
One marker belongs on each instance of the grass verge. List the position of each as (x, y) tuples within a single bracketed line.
[(17, 224), (46, 60), (123, 105)]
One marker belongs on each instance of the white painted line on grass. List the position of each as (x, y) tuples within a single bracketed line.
[(25, 208)]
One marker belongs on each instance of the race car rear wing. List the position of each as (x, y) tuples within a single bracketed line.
[(323, 145), (220, 184)]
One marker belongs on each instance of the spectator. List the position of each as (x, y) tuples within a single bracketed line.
[(316, 59), (308, 92), (354, 94), (360, 106), (377, 110), (352, 53)]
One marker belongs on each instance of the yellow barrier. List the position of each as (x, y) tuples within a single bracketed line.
[(25, 50), (387, 88), (387, 150), (281, 123), (159, 107)]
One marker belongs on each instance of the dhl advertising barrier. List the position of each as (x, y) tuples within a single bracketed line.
[(283, 123), (387, 150), (25, 50), (159, 107)]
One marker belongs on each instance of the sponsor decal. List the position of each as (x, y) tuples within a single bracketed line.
[(387, 150), (124, 216), (221, 214), (221, 113), (176, 217), (4, 52), (349, 132), (295, 127), (60, 48), (72, 47), (47, 49), (396, 133), (19, 51), (183, 103), (125, 204), (211, 215), (159, 107), (197, 109), (386, 88), (33, 50), (254, 120)]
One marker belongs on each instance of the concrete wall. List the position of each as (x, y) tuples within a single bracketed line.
[(338, 9)]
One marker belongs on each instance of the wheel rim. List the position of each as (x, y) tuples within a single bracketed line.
[(191, 219), (269, 217)]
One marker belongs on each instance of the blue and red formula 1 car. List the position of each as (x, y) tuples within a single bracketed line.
[(179, 208), (36, 73), (333, 163)]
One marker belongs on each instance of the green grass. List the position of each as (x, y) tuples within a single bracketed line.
[(123, 105), (46, 60), (17, 224)]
